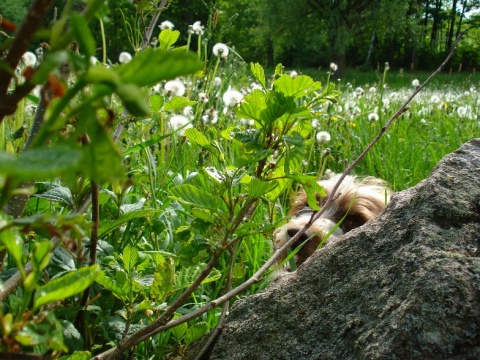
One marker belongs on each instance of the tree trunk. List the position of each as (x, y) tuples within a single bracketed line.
[(370, 49), (452, 25), (436, 22)]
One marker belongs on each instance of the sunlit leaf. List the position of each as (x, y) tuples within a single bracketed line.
[(68, 285), (168, 38), (40, 163), (258, 73), (165, 65), (299, 86)]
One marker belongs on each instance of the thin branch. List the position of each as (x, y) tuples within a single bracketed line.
[(154, 329), (153, 23), (33, 21)]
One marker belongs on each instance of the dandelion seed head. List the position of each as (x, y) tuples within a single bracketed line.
[(373, 116), (462, 111), (323, 136), (217, 81), (415, 83), (232, 97), (197, 28), (166, 25), (220, 50), (174, 88), (124, 57), (293, 74), (181, 122), (333, 67)]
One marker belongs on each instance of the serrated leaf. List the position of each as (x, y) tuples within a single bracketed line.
[(197, 137), (311, 187), (82, 34), (151, 66), (129, 257), (163, 278), (133, 99), (195, 332), (156, 103), (168, 37), (258, 188), (147, 143), (110, 284), (68, 285), (57, 193), (178, 102), (258, 73), (186, 276), (252, 105), (40, 163), (107, 227), (194, 196), (299, 86)]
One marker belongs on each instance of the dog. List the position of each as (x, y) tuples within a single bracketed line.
[(356, 201)]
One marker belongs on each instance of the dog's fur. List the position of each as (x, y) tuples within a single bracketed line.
[(356, 202)]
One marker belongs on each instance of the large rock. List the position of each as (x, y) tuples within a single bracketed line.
[(404, 286)]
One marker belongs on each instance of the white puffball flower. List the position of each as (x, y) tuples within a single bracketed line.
[(217, 81), (232, 97), (220, 50), (333, 67), (174, 88), (29, 59), (202, 97), (93, 60), (180, 123), (197, 28), (166, 25), (124, 57), (415, 83), (373, 116), (293, 74), (462, 111), (323, 136)]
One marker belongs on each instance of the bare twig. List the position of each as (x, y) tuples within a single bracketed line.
[(153, 23), (22, 38)]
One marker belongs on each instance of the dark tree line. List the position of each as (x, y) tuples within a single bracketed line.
[(308, 33)]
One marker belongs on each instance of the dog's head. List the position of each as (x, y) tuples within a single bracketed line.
[(356, 202)]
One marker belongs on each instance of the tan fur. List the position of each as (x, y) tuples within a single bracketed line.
[(358, 200)]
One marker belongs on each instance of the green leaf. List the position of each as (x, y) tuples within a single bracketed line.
[(12, 241), (197, 137), (278, 70), (57, 193), (312, 188), (258, 188), (41, 256), (151, 66), (82, 34), (41, 162), (178, 102), (68, 285), (99, 74), (156, 103), (133, 99), (168, 37), (163, 278), (101, 153), (195, 332), (107, 227), (299, 86), (186, 276), (146, 143), (120, 291), (129, 257), (259, 73), (194, 196)]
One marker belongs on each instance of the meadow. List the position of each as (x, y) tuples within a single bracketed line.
[(206, 174)]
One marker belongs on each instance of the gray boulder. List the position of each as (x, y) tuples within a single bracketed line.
[(404, 286)]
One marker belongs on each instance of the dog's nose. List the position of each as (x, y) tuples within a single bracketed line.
[(292, 232)]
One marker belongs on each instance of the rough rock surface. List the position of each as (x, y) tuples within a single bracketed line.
[(404, 286)]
